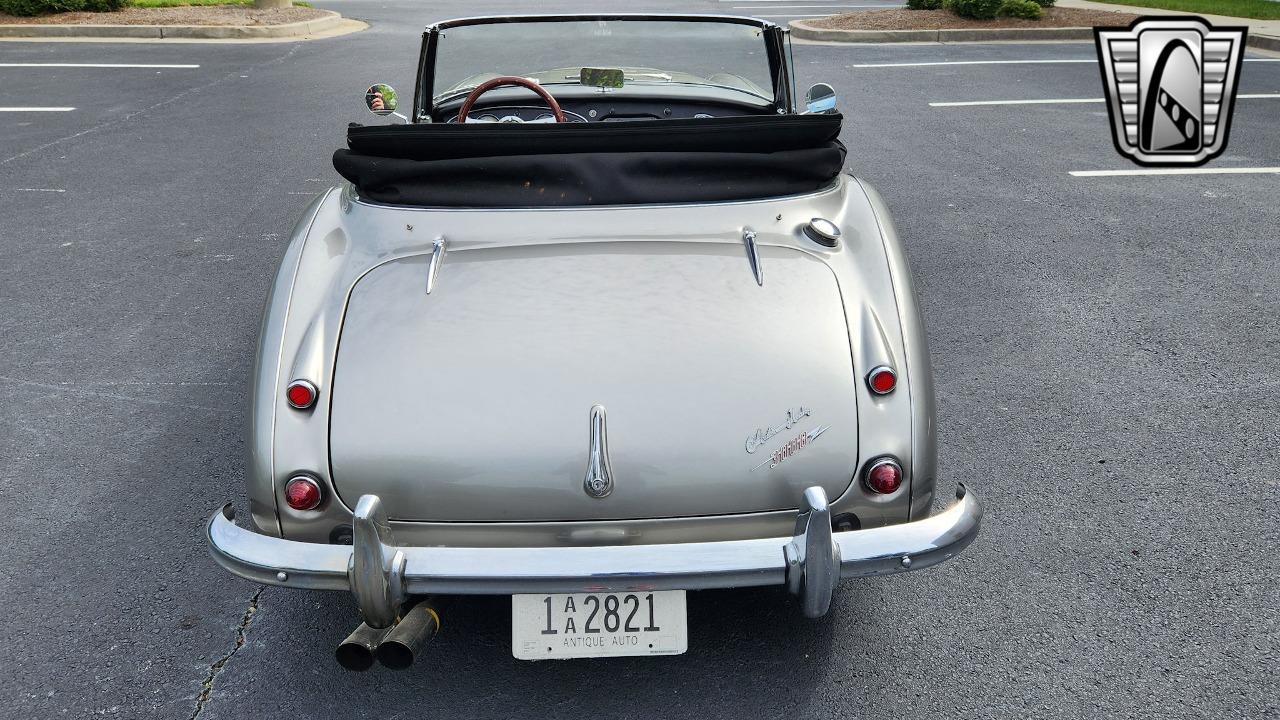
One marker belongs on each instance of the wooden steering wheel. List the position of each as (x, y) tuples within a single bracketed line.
[(503, 81)]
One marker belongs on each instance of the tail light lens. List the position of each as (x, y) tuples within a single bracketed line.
[(301, 394), (302, 493), (884, 475), (882, 380)]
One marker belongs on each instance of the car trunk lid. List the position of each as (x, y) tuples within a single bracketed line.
[(473, 402)]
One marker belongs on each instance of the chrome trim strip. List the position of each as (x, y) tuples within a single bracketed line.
[(681, 566), (437, 259), (753, 255)]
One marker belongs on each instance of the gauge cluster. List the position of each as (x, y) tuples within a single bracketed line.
[(578, 111), (517, 114)]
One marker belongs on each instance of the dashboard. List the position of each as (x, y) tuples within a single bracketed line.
[(517, 114), (578, 111)]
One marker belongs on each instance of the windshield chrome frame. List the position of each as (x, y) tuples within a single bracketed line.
[(776, 39)]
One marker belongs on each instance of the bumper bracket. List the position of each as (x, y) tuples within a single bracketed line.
[(813, 557), (377, 566)]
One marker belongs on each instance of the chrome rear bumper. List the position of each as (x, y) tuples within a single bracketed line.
[(382, 575)]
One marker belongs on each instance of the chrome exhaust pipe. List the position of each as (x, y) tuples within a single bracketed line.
[(357, 651), (404, 643)]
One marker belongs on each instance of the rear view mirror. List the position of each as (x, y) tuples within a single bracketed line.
[(601, 77), (820, 100), (381, 99)]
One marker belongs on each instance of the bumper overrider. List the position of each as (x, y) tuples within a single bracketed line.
[(383, 575)]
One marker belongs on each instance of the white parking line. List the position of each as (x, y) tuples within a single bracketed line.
[(1046, 101), (1179, 171), (36, 109), (91, 65), (1062, 61), (973, 62), (40, 190), (1066, 101)]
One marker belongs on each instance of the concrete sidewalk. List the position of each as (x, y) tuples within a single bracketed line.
[(1262, 33), (331, 24)]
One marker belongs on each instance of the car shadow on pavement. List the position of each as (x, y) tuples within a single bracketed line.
[(751, 636)]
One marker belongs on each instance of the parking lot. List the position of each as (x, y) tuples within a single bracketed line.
[(1105, 348)]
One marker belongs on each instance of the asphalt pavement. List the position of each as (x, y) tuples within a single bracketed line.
[(1106, 352)]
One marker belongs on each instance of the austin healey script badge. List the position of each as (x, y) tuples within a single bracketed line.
[(796, 444), (1171, 84), (765, 434)]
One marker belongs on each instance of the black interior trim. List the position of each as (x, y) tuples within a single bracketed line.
[(576, 179), (575, 164), (443, 141)]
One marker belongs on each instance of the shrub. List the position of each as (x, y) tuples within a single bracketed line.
[(45, 7), (1045, 3), (924, 4), (976, 9), (1025, 9)]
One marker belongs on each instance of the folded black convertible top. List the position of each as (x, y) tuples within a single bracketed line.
[(609, 163)]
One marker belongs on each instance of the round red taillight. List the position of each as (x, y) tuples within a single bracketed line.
[(882, 380), (302, 493), (884, 476), (301, 394)]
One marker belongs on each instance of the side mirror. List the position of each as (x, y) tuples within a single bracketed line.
[(381, 99), (820, 100)]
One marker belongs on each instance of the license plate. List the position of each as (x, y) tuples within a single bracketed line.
[(582, 625)]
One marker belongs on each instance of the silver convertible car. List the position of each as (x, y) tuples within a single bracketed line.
[(602, 321)]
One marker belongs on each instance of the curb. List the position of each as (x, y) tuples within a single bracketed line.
[(330, 21), (805, 31), (1263, 42)]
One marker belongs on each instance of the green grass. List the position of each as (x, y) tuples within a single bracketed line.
[(1257, 9), (182, 3)]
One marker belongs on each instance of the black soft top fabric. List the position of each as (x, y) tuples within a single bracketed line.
[(613, 163)]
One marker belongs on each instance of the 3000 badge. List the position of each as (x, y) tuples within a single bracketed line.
[(796, 444), (598, 625)]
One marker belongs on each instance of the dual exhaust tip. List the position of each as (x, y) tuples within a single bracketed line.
[(396, 647)]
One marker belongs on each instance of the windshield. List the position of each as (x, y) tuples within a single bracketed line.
[(726, 55)]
